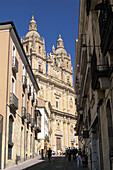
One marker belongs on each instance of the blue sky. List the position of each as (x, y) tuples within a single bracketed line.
[(51, 16)]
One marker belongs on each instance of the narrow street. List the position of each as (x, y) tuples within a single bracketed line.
[(56, 163)]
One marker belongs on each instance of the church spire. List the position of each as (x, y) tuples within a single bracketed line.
[(60, 43), (32, 24)]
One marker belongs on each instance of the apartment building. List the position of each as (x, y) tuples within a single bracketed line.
[(19, 116), (94, 82)]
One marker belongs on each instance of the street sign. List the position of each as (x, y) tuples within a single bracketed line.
[(80, 138)]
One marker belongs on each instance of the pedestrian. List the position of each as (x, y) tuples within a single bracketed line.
[(75, 151), (69, 154), (79, 158), (49, 154)]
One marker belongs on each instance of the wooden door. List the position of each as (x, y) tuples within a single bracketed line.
[(58, 143)]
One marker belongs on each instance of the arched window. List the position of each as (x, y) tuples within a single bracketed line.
[(10, 144), (27, 48), (67, 64), (39, 49)]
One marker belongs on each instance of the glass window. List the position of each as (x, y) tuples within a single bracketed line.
[(13, 85)]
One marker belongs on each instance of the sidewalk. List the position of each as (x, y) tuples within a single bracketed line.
[(26, 164)]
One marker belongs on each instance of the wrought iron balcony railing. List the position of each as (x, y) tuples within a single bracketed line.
[(33, 122), (28, 118), (13, 101), (35, 102), (23, 112), (98, 71), (14, 64), (38, 122)]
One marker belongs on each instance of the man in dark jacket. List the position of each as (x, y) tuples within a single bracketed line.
[(49, 154)]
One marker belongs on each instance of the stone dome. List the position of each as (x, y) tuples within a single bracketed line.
[(32, 29), (31, 33), (60, 46)]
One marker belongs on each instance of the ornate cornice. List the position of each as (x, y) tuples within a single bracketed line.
[(63, 113)]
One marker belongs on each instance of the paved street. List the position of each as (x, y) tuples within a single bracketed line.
[(57, 163)]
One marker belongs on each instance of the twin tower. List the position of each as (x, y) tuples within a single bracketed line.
[(54, 75), (57, 64)]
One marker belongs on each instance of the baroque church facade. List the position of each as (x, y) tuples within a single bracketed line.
[(54, 74)]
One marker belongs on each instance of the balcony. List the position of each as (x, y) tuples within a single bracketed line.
[(23, 112), (14, 64), (98, 71), (13, 101), (32, 122), (106, 27), (28, 118), (24, 81), (38, 122), (38, 128), (29, 89)]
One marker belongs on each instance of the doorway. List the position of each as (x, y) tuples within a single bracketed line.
[(58, 143)]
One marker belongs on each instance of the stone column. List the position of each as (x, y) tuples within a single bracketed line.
[(52, 96), (64, 100), (47, 90), (53, 130), (64, 132), (68, 129)]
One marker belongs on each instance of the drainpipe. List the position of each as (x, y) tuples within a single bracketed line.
[(7, 100)]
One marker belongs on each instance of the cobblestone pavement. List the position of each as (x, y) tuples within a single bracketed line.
[(56, 163)]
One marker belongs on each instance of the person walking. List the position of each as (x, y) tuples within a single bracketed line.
[(75, 151), (69, 154), (49, 154), (79, 158)]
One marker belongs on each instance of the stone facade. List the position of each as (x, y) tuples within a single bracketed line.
[(56, 85), (93, 82)]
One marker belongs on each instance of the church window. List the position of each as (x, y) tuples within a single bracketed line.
[(39, 49), (40, 68), (56, 104), (67, 64), (26, 48), (68, 80)]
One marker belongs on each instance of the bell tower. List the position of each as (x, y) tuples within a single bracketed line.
[(59, 63), (34, 47)]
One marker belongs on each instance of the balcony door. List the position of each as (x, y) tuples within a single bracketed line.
[(58, 143), (13, 85)]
